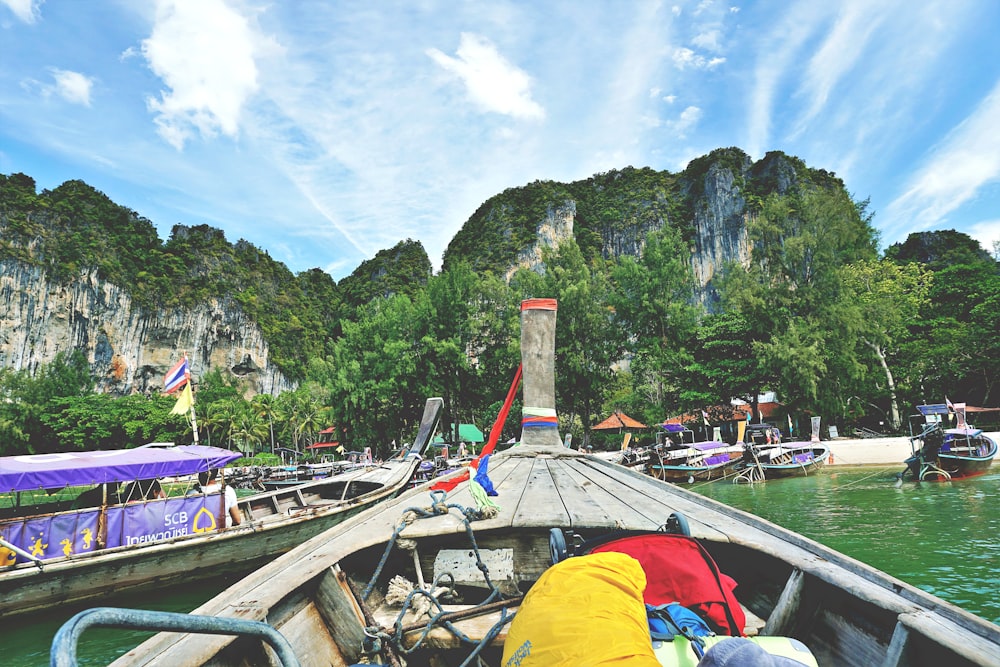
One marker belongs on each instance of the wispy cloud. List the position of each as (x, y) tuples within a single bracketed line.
[(777, 52), (205, 53), (72, 86), (965, 162), (491, 81), (685, 58), (856, 24), (28, 11)]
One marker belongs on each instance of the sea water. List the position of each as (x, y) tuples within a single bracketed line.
[(942, 537), (26, 642)]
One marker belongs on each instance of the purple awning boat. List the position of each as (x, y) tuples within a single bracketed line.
[(55, 471)]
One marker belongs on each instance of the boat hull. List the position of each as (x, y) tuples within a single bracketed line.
[(950, 465), (276, 522), (783, 461), (687, 473)]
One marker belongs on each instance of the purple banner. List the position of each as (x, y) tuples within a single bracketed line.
[(165, 519), (70, 533)]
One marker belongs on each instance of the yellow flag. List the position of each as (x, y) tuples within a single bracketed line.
[(628, 439), (184, 401)]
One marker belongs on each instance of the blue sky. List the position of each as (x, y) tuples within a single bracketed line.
[(324, 132)]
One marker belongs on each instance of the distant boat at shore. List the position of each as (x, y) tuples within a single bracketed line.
[(944, 454)]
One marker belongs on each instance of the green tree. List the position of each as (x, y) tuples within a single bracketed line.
[(802, 323), (890, 296), (654, 303)]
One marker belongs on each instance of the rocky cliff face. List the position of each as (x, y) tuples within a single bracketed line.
[(129, 349), (556, 227), (719, 221)]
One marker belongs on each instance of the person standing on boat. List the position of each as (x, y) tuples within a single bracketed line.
[(208, 482)]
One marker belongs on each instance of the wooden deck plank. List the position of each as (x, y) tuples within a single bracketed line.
[(589, 504), (656, 500), (545, 507)]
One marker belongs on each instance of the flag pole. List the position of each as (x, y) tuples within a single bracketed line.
[(194, 421)]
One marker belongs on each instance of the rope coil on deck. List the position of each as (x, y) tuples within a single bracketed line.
[(431, 599)]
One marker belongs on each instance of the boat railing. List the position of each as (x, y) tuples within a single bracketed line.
[(63, 652)]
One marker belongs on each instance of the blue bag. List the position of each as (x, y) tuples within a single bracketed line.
[(666, 621)]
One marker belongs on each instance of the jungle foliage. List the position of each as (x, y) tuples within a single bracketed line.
[(814, 315)]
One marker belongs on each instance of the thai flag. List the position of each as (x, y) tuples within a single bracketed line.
[(177, 376)]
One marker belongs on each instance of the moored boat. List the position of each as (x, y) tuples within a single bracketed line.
[(685, 460), (59, 555), (352, 593), (782, 459), (945, 454)]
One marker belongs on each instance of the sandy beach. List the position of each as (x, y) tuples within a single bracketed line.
[(874, 451)]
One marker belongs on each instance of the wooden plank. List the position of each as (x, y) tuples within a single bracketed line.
[(341, 612), (312, 644), (787, 606), (894, 654), (540, 505), (588, 502), (656, 500)]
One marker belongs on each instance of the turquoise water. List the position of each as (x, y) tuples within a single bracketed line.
[(942, 537), (26, 642)]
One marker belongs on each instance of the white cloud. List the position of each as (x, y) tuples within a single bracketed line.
[(72, 86), (205, 53), (777, 55), (493, 83), (855, 26), (686, 121), (967, 160), (710, 39), (685, 58), (27, 10), (987, 233)]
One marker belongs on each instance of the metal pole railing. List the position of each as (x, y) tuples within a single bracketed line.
[(63, 653)]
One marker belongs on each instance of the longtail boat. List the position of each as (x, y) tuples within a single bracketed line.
[(943, 454), (447, 574), (686, 460), (54, 554), (782, 459)]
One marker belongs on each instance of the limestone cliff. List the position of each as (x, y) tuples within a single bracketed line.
[(611, 214), (129, 348)]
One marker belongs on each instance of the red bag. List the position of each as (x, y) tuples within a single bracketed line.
[(678, 569)]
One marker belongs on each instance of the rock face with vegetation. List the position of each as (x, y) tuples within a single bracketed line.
[(129, 347), (80, 272), (610, 214), (730, 278)]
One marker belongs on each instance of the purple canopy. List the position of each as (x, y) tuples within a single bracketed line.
[(708, 445), (54, 471)]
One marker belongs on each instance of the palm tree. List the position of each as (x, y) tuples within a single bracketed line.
[(265, 406)]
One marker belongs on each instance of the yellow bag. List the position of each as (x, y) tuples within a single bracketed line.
[(583, 611)]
